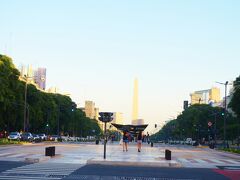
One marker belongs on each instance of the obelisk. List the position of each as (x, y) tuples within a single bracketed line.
[(135, 101)]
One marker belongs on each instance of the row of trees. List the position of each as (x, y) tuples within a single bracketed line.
[(47, 112), (193, 122)]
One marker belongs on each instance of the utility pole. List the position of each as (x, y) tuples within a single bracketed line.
[(25, 105), (225, 112), (105, 117)]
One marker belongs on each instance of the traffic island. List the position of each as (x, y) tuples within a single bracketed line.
[(162, 163)]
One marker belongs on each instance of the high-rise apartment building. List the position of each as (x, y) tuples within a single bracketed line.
[(90, 109), (40, 78), (54, 90), (206, 96), (35, 77)]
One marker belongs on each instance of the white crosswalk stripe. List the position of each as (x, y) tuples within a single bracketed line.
[(16, 155), (48, 171), (207, 161), (4, 154)]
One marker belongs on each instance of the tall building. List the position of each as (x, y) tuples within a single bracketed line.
[(40, 78), (117, 118), (206, 96), (26, 71), (35, 77), (54, 90), (90, 109)]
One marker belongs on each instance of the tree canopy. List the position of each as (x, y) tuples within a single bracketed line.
[(45, 109), (193, 123)]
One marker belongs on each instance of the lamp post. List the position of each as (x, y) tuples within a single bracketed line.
[(26, 109), (225, 111)]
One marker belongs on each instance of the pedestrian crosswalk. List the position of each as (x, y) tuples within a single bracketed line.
[(210, 161), (37, 171), (14, 156)]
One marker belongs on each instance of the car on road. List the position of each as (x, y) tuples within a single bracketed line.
[(54, 138), (27, 137), (43, 137), (14, 136), (36, 137)]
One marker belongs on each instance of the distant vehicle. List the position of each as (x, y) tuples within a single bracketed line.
[(188, 141), (27, 137), (54, 138), (36, 137), (14, 136), (43, 137)]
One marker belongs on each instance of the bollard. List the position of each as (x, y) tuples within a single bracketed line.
[(50, 151), (97, 141), (168, 154), (151, 144)]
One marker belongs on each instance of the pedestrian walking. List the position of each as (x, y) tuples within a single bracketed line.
[(148, 139), (125, 141), (139, 141)]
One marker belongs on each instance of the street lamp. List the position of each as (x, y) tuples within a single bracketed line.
[(26, 120), (225, 111)]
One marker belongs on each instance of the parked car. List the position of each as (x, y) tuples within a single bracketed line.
[(14, 136), (43, 137), (27, 137), (36, 137), (54, 137)]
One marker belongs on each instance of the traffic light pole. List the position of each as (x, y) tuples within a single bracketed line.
[(105, 139), (225, 116)]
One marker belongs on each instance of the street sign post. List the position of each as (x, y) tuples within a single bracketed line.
[(105, 117)]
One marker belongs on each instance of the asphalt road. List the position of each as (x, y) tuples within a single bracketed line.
[(6, 165), (106, 172), (19, 171)]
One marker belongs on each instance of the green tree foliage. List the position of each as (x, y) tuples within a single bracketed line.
[(193, 123), (44, 108), (235, 101)]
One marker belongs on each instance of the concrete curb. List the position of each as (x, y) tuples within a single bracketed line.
[(36, 160), (140, 164)]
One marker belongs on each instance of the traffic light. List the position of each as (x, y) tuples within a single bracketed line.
[(185, 105), (73, 107), (223, 113), (155, 125), (106, 116)]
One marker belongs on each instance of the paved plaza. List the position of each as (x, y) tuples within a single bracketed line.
[(70, 157), (182, 156)]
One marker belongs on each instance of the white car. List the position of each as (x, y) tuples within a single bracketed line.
[(14, 136), (43, 137), (188, 141)]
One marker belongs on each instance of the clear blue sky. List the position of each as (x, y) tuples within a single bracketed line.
[(95, 49)]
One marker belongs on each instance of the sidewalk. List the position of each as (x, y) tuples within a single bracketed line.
[(75, 153), (149, 156)]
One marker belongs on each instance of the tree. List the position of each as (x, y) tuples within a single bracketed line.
[(235, 101), (45, 109)]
